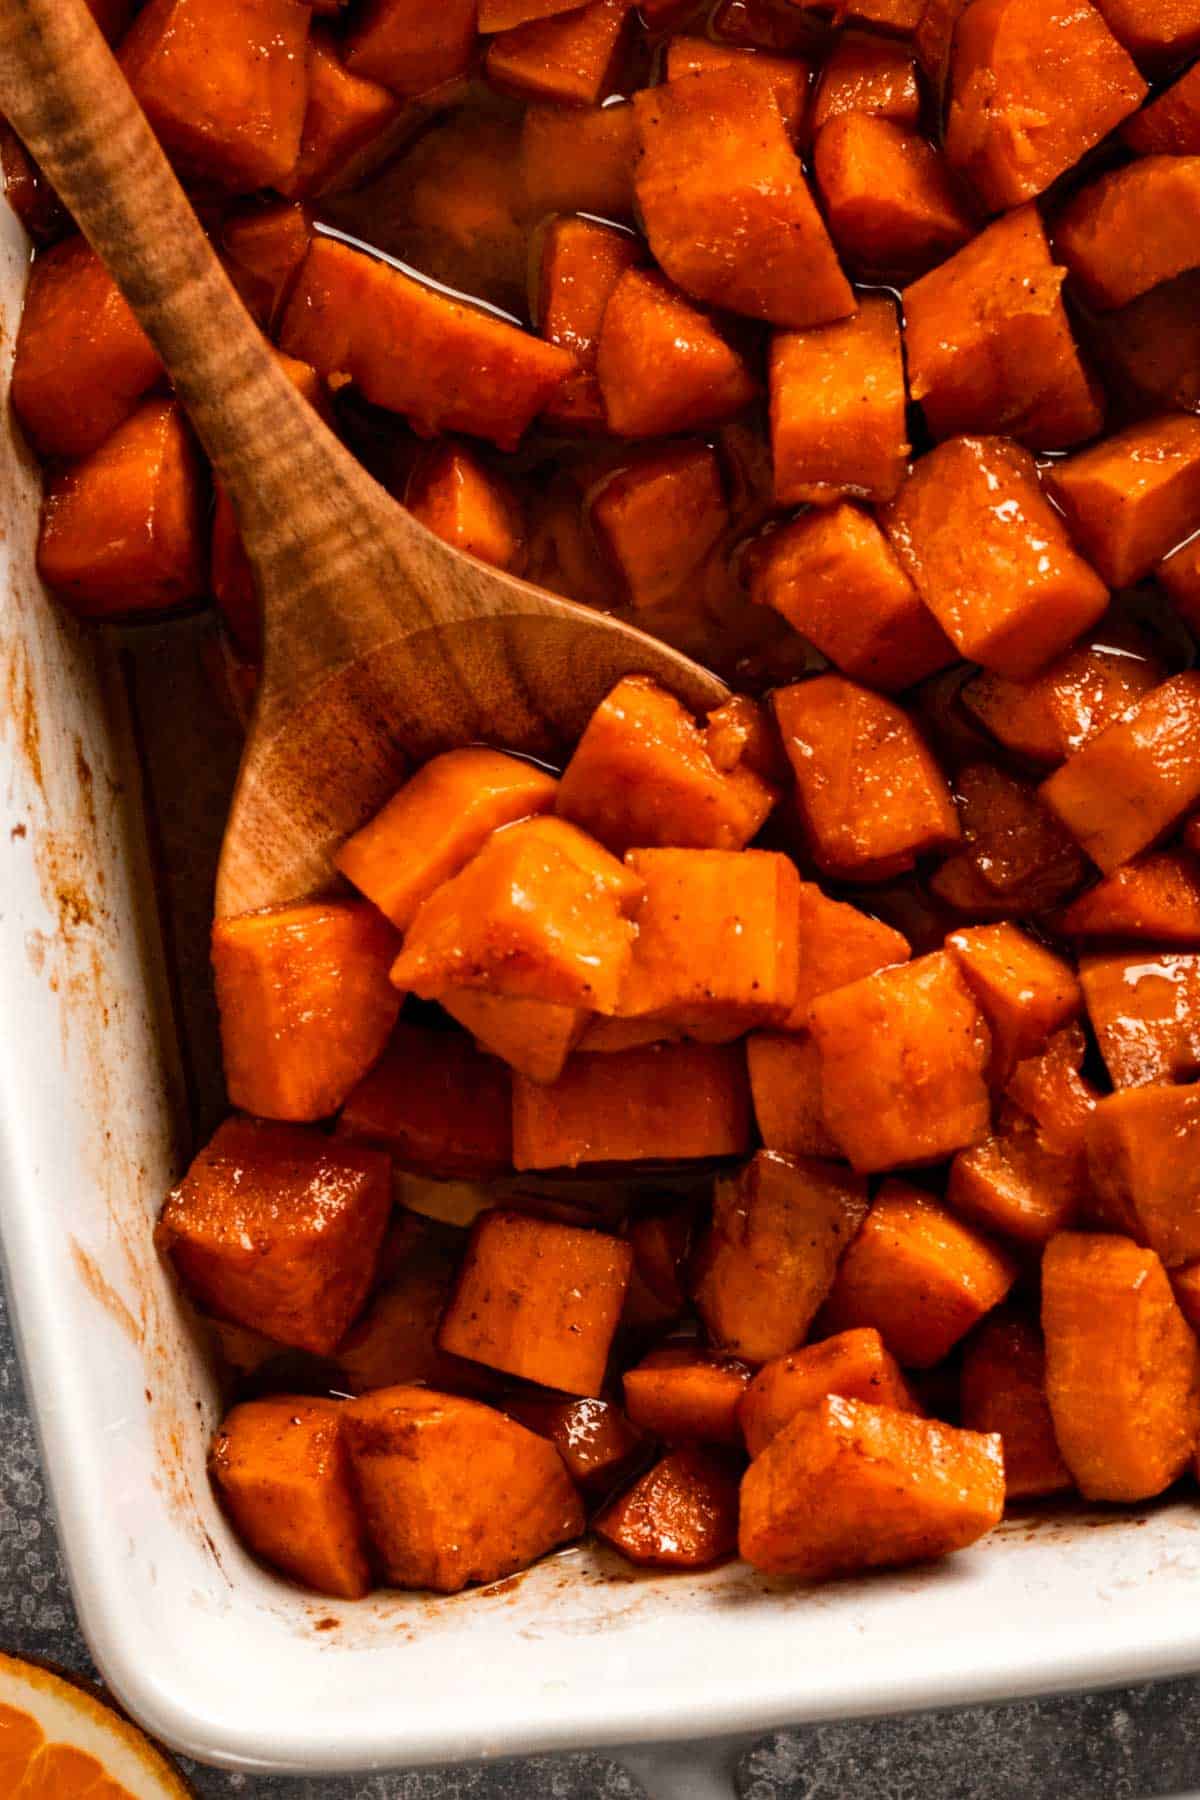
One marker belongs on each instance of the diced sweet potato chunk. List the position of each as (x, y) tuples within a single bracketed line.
[(394, 1338), (920, 1276), (123, 531), (534, 1036), (438, 821), (1017, 1183), (855, 1364), (579, 160), (467, 504), (871, 795), (349, 124), (848, 1486), (282, 1471), (82, 360), (453, 1492), (666, 1102), (990, 557), (1129, 785), (742, 731), (903, 1055), (642, 775), (1048, 716), (714, 147), (581, 265), (1035, 83), (663, 366), (658, 516), (411, 46), (224, 84), (838, 944), (1149, 349), (1122, 1367), (837, 408), (1157, 898), (538, 1300), (593, 1437), (768, 1259), (1016, 850), (1153, 28), (684, 1394), (262, 248), (569, 58), (892, 204), (415, 350), (785, 1083), (867, 75), (1170, 125), (435, 1104), (785, 76), (1142, 1146), (1145, 1011), (279, 1230), (1024, 991), (306, 1005), (1134, 497), (1004, 1391), (682, 1514), (989, 343), (1132, 229)]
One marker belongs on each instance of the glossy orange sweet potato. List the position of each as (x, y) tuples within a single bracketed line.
[(933, 41), (1170, 125), (1018, 856), (838, 944), (569, 58), (867, 75), (755, 24), (1004, 1391), (281, 1469), (1145, 1010), (579, 159), (685, 1394), (848, 1486), (306, 1004), (394, 1338), (767, 1260), (262, 247), (350, 123), (661, 1242), (1132, 229), (837, 408), (534, 1036), (893, 206), (1142, 1156), (468, 504), (1029, 1178), (785, 76), (1024, 991), (410, 46), (1154, 28), (279, 1229), (1157, 898), (582, 262), (435, 1104), (682, 1514), (1133, 497), (855, 1364), (785, 1083), (1048, 716), (594, 1438), (663, 365), (1122, 1367), (1149, 349), (453, 1492), (657, 517)]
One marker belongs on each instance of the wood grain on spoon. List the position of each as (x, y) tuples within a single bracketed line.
[(383, 644)]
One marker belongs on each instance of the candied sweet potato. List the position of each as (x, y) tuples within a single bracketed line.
[(767, 1260), (350, 123), (503, 15), (871, 796), (855, 1364), (785, 76), (663, 365), (1149, 349), (1016, 851), (1157, 898), (1034, 84), (1170, 125), (262, 247), (435, 1104), (1004, 1390), (594, 1438), (453, 1492), (990, 557), (919, 1275), (990, 346), (848, 1486), (715, 147), (579, 159), (893, 206), (838, 944), (665, 1102), (684, 1394), (642, 775), (658, 516), (1024, 991), (1133, 497), (1154, 28), (224, 84), (459, 369), (837, 408), (279, 1229), (534, 1036), (410, 46), (867, 75), (306, 1004), (468, 505), (1126, 789), (439, 820), (1145, 1010), (538, 1300), (785, 1084), (1048, 716), (1024, 1182), (1132, 229), (1142, 1145), (394, 1338), (903, 1054), (569, 58), (282, 1471), (682, 1514), (1122, 1367), (582, 262)]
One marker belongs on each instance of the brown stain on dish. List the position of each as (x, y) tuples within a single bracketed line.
[(102, 1290)]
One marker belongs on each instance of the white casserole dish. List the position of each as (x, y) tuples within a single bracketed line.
[(208, 1651)]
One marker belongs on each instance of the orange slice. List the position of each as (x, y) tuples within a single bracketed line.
[(59, 1742)]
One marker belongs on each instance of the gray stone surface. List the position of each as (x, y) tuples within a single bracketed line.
[(1137, 1743)]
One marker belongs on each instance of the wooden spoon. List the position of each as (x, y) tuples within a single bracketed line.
[(383, 644)]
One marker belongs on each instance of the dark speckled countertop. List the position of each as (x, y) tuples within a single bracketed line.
[(1136, 1743)]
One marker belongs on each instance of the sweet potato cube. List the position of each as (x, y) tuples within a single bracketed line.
[(871, 796), (682, 1514), (305, 1002), (1170, 125), (594, 1438), (742, 731), (837, 408), (1128, 786), (82, 360), (1016, 849), (1141, 1146), (1153, 28), (1145, 1011), (785, 1084), (1003, 1389), (892, 204), (642, 775), (903, 1055), (1023, 990), (467, 504), (867, 75), (435, 1104), (662, 364), (920, 1276), (579, 159), (685, 1394), (570, 58), (664, 1102), (838, 944), (394, 1338), (658, 517), (262, 248), (581, 265), (350, 123), (1157, 898), (785, 76), (281, 1469), (848, 1486), (1048, 716), (1013, 1185), (461, 369), (1132, 229), (1133, 497), (1122, 1367), (453, 1492), (715, 147), (855, 1364), (538, 1300), (989, 343), (768, 1259), (990, 557), (410, 46), (534, 1036), (224, 84), (1035, 83), (1149, 349), (279, 1230)]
